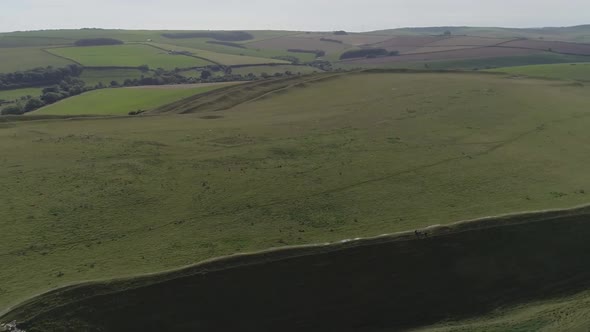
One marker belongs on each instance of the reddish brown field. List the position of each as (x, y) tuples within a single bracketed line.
[(555, 46), (396, 43), (468, 41), (469, 53)]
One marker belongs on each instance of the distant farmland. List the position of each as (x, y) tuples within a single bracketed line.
[(133, 55), (15, 59)]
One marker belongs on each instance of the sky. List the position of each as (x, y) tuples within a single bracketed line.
[(307, 15)]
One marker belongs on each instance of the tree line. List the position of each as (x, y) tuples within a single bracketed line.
[(367, 53), (38, 77), (217, 35), (318, 53)]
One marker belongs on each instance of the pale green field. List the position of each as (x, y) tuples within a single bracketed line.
[(23, 58), (564, 71), (354, 156), (121, 101), (131, 55)]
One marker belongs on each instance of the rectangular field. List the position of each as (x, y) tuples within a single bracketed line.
[(24, 58), (94, 76), (129, 55)]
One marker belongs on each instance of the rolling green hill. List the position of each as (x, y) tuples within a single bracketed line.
[(100, 198)]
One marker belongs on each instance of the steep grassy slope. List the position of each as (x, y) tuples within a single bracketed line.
[(385, 284), (344, 157)]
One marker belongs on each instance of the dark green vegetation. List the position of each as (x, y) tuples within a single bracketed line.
[(101, 198), (382, 284)]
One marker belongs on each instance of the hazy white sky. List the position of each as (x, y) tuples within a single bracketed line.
[(351, 15)]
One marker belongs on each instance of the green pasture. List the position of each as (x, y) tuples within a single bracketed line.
[(129, 55), (271, 70), (24, 58), (121, 101), (341, 157)]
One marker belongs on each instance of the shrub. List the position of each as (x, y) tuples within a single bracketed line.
[(98, 42), (364, 53), (12, 110)]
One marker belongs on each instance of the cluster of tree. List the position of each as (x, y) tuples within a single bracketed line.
[(217, 35), (322, 65), (66, 88), (332, 40), (98, 42), (225, 43), (38, 77), (292, 59), (340, 33), (365, 53), (318, 53)]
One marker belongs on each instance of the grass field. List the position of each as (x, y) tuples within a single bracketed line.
[(94, 76), (87, 199), (224, 59), (566, 71), (121, 101), (23, 58), (131, 55)]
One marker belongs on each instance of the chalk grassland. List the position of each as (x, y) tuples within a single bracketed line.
[(504, 262), (224, 59), (23, 58), (121, 101), (131, 55), (566, 71), (271, 70), (94, 76), (349, 156)]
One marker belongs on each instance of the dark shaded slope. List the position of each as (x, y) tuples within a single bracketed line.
[(394, 282)]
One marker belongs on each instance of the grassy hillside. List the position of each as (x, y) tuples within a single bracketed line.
[(122, 101), (566, 71), (131, 55), (271, 70), (382, 284), (100, 198)]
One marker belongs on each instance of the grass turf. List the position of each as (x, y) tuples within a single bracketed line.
[(121, 101), (88, 199)]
